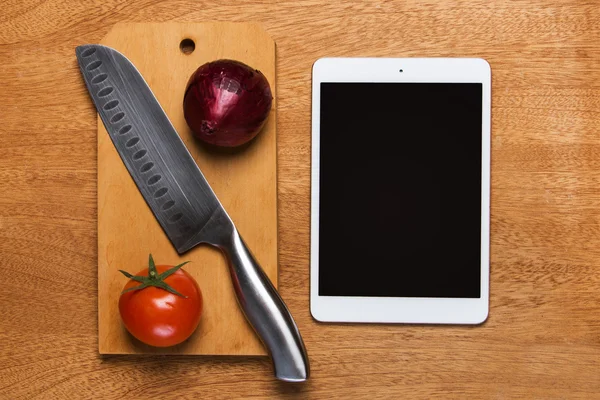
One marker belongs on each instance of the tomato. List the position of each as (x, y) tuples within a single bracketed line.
[(159, 311)]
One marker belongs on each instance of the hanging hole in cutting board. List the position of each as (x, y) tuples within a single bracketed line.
[(187, 46)]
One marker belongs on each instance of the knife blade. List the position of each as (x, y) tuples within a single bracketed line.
[(181, 199)]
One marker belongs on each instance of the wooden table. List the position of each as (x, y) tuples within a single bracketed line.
[(542, 339)]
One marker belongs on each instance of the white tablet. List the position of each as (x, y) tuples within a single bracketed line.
[(400, 202)]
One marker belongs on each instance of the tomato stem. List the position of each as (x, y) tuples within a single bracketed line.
[(153, 278), (151, 267)]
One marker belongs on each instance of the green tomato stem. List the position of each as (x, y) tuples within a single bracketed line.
[(153, 278)]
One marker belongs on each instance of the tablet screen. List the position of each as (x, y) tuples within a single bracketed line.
[(400, 190)]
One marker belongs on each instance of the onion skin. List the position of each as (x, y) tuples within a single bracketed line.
[(227, 103)]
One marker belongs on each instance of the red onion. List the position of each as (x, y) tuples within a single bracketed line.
[(226, 102)]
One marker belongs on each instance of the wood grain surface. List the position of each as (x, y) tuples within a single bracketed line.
[(244, 180), (542, 339)]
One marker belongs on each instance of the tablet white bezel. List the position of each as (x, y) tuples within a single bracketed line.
[(403, 309)]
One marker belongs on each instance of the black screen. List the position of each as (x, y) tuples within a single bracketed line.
[(400, 189)]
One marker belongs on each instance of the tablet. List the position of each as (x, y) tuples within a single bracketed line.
[(400, 190)]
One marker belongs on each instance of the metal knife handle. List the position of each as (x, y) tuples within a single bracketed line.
[(266, 312)]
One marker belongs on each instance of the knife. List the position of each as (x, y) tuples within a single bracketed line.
[(182, 200)]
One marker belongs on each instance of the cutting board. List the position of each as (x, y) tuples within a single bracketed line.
[(244, 180)]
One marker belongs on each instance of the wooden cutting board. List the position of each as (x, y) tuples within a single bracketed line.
[(245, 181)]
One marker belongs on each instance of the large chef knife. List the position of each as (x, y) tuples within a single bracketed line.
[(181, 198)]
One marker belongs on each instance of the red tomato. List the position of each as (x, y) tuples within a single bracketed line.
[(158, 317)]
